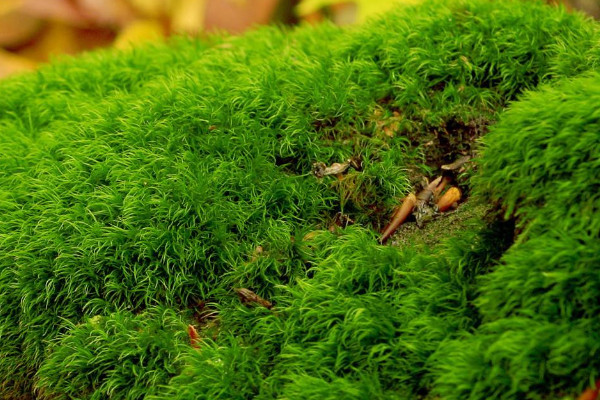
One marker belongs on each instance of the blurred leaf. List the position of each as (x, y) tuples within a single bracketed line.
[(366, 8), (11, 64), (139, 32)]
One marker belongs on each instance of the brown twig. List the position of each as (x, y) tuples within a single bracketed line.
[(425, 195), (439, 188)]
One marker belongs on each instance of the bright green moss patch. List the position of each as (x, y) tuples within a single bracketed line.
[(109, 356), (139, 190)]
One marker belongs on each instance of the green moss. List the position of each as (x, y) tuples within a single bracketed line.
[(364, 321), (117, 356), (539, 307), (150, 179), (441, 227)]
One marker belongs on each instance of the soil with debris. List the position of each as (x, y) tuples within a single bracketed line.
[(442, 226)]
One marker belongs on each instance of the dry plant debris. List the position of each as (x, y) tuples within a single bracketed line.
[(428, 202), (320, 169), (142, 181), (591, 393), (248, 297)]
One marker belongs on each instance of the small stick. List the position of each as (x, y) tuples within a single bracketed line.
[(424, 195), (438, 189), (399, 217)]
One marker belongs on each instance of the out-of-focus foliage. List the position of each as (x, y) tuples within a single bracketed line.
[(33, 31), (357, 11), (361, 9)]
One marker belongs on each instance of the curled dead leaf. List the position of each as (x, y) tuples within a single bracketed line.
[(320, 169)]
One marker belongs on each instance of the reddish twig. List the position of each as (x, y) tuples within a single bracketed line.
[(194, 337)]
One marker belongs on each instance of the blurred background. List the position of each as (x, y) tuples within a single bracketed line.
[(33, 31)]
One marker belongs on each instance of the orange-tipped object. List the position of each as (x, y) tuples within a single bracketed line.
[(449, 198), (591, 393), (399, 217), (194, 337)]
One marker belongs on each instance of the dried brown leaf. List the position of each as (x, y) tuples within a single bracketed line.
[(194, 336), (247, 297)]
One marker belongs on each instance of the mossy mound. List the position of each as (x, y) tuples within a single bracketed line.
[(140, 189), (540, 328)]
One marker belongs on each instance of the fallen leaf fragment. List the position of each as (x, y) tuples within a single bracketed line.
[(247, 296), (399, 217), (456, 164), (449, 198), (320, 169)]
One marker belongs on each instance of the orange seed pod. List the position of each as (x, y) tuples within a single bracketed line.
[(449, 198)]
